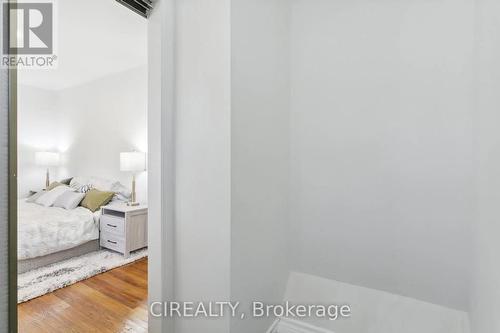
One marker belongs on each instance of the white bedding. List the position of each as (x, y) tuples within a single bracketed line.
[(46, 230)]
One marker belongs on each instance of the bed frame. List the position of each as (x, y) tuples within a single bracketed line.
[(29, 264)]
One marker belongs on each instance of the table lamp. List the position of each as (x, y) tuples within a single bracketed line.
[(133, 162), (47, 159)]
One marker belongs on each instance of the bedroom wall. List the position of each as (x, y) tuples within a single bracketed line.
[(260, 93), (38, 130), (382, 132), (89, 125), (485, 301), (100, 119)]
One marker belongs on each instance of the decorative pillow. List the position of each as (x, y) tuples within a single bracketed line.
[(53, 185), (83, 184), (80, 184), (94, 199), (69, 200), (35, 196), (66, 181), (84, 188), (49, 197), (122, 193)]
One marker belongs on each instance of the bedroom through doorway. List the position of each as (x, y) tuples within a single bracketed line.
[(82, 141)]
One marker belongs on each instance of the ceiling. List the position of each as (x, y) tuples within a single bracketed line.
[(94, 38)]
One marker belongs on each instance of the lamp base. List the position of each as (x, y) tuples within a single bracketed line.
[(133, 203)]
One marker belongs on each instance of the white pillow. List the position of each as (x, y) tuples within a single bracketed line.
[(35, 196), (69, 200), (49, 197), (122, 193), (102, 184), (78, 182)]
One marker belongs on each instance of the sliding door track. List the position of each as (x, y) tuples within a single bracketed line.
[(141, 7)]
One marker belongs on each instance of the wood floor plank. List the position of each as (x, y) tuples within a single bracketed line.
[(118, 290), (133, 279), (112, 302)]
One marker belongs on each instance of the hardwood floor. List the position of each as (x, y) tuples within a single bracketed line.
[(115, 301)]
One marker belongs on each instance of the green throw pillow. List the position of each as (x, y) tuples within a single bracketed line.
[(94, 199)]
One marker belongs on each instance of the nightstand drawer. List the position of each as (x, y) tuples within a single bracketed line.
[(124, 228), (113, 225), (113, 242)]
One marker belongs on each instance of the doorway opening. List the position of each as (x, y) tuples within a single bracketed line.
[(82, 180)]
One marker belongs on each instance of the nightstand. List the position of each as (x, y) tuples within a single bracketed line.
[(124, 228)]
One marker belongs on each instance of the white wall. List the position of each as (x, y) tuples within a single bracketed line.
[(161, 160), (88, 124), (382, 145), (203, 158), (259, 154), (373, 311), (485, 303), (382, 155), (100, 119), (38, 130)]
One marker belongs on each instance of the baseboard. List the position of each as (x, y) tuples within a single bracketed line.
[(284, 325)]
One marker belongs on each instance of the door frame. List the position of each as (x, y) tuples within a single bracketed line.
[(12, 201), (161, 160), (161, 164)]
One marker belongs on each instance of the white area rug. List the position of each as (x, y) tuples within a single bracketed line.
[(46, 279)]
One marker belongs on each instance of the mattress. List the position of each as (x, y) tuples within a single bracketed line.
[(46, 230)]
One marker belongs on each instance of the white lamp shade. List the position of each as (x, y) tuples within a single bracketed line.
[(133, 161), (47, 159)]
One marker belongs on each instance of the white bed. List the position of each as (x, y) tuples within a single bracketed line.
[(50, 234), (44, 231)]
